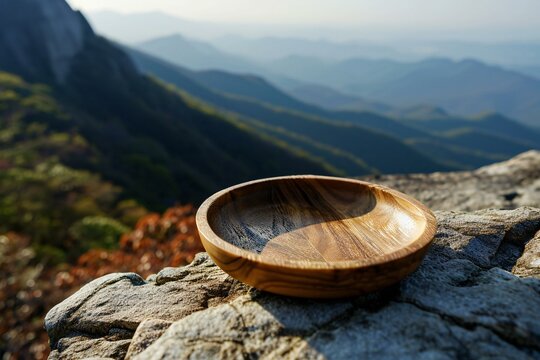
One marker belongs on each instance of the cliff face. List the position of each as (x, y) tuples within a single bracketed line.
[(39, 39), (476, 295)]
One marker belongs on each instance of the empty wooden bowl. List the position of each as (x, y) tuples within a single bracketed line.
[(315, 236)]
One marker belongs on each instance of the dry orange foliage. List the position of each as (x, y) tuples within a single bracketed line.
[(157, 241), (30, 289)]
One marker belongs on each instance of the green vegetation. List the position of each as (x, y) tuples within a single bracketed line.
[(67, 180), (157, 147), (319, 132), (376, 149), (82, 159), (456, 142), (334, 160), (40, 195), (97, 231)]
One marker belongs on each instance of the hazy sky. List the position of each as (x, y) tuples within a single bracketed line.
[(450, 14)]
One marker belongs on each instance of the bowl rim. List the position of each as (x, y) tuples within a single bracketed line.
[(207, 233)]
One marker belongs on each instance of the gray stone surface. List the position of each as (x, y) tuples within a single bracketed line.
[(505, 185), (123, 301), (529, 263), (476, 295), (146, 334)]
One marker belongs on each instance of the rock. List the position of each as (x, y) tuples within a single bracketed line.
[(529, 263), (110, 302), (46, 49), (506, 185), (147, 333), (474, 296), (83, 347)]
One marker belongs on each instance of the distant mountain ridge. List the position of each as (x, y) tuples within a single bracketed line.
[(270, 48), (376, 149), (451, 148), (308, 41), (463, 87), (252, 86), (196, 55), (332, 99)]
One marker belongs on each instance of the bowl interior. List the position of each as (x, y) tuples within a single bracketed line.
[(316, 219)]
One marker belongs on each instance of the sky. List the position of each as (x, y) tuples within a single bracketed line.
[(450, 14)]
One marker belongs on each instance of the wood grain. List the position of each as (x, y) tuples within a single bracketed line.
[(315, 236)]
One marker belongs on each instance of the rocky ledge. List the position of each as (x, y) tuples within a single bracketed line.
[(476, 295), (504, 185)]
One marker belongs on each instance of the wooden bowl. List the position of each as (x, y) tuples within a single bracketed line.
[(315, 236)]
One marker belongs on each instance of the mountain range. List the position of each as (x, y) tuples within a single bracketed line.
[(251, 97), (185, 142), (185, 133), (464, 87), (348, 147), (271, 42), (94, 135), (520, 54), (196, 55), (135, 121), (151, 142)]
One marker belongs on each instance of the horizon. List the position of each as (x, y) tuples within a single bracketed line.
[(345, 20)]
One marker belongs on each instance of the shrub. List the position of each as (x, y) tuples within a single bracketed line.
[(97, 232)]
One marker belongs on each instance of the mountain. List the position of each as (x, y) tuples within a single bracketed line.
[(45, 51), (504, 53), (471, 140), (452, 136), (462, 87), (153, 144), (133, 28), (248, 86), (323, 42), (306, 97), (257, 88), (201, 55), (302, 125), (196, 55), (491, 123), (269, 48), (529, 70), (420, 135), (333, 99), (486, 143)]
